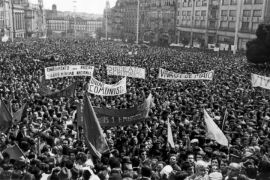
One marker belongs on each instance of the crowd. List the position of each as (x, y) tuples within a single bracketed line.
[(53, 150)]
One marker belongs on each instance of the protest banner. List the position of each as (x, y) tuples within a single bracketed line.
[(99, 88), (119, 117), (128, 71), (170, 75), (68, 70), (260, 81)]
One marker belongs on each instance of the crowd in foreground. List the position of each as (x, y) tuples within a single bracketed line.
[(54, 150)]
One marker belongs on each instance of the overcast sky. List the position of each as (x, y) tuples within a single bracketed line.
[(88, 6)]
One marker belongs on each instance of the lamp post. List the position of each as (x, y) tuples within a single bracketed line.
[(138, 20)]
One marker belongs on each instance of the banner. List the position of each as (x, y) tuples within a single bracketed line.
[(128, 71), (99, 88), (260, 81), (68, 70), (119, 117), (66, 92), (5, 38), (170, 75)]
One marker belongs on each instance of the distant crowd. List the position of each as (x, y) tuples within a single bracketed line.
[(53, 149)]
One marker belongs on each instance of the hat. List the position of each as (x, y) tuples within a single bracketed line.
[(194, 141), (166, 170), (126, 159), (215, 176)]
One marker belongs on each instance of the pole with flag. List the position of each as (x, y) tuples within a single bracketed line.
[(170, 136), (5, 117), (224, 119), (213, 131), (92, 130)]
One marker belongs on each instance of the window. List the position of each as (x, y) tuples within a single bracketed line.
[(248, 2), (233, 2), (224, 13), (255, 26), (223, 24), (232, 25), (189, 13), (232, 13), (198, 3), (184, 13), (257, 13), (197, 13), (258, 2), (247, 13), (203, 23), (212, 24), (203, 13), (225, 2), (245, 25), (204, 3), (197, 23)]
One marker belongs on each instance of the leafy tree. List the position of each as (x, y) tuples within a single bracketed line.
[(258, 50)]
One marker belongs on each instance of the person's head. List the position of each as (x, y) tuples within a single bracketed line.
[(190, 158), (199, 157), (201, 168), (160, 166), (188, 167), (215, 162), (173, 160), (143, 155), (234, 169)]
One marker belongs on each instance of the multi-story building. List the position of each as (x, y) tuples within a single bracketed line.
[(19, 22), (6, 18), (70, 25), (158, 20), (228, 22)]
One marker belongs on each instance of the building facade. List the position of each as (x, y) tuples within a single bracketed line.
[(224, 22), (158, 20), (6, 18)]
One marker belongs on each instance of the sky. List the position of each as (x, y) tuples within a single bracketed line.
[(88, 6)]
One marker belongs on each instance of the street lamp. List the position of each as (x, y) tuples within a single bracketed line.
[(138, 20)]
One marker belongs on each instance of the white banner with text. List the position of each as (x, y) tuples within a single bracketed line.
[(68, 70), (99, 88), (170, 75), (260, 81), (127, 71)]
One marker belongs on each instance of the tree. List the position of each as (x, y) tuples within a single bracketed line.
[(258, 50)]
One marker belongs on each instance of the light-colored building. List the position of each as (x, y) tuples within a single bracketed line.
[(220, 21), (18, 14), (6, 18), (158, 20)]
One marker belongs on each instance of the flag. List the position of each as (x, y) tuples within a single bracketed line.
[(17, 116), (5, 117), (92, 129), (67, 92), (170, 136), (224, 119), (9, 105), (213, 131), (14, 152)]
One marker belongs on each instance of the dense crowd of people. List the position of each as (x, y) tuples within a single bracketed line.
[(47, 132)]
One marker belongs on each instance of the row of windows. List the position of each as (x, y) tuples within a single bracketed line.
[(246, 13), (234, 2), (188, 3), (197, 13)]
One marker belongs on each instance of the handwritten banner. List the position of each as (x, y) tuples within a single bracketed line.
[(68, 70), (119, 117), (127, 71), (99, 88), (170, 75), (260, 81)]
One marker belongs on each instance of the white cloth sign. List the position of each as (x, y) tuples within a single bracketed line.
[(260, 81), (5, 38), (68, 70), (128, 71), (170, 75), (99, 88)]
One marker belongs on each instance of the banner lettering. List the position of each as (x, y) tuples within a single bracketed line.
[(68, 70), (99, 88), (260, 81), (128, 71), (170, 75)]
